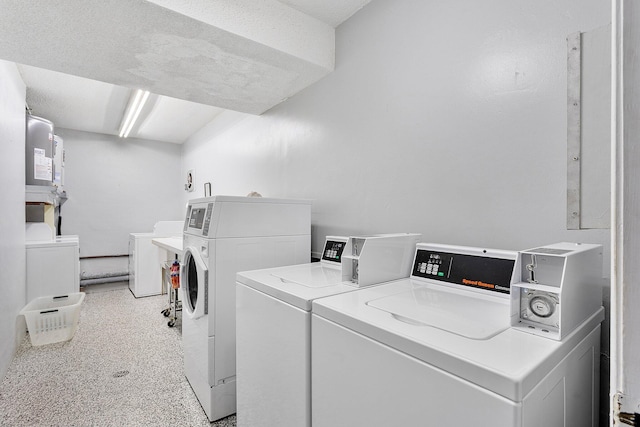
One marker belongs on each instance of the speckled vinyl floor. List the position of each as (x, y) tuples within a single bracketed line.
[(122, 368)]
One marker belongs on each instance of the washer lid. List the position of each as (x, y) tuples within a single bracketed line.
[(448, 310), (310, 276), (297, 285)]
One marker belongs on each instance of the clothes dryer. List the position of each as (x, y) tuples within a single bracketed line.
[(224, 235), (438, 349), (274, 321)]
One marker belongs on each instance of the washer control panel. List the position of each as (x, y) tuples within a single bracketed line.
[(475, 271), (433, 265), (333, 249)]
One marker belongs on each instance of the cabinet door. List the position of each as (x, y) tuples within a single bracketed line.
[(147, 269), (52, 271)]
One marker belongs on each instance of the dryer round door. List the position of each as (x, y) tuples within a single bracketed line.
[(194, 283)]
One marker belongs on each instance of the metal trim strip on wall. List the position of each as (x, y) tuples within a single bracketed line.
[(573, 130)]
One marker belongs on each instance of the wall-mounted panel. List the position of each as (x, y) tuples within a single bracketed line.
[(589, 129)]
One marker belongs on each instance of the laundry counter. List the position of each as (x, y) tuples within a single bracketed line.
[(171, 249), (169, 244)]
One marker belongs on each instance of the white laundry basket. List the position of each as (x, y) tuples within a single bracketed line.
[(53, 318)]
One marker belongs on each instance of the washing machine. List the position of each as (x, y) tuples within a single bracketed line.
[(274, 321), (224, 235), (439, 349)]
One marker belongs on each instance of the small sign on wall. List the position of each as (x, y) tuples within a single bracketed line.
[(191, 180)]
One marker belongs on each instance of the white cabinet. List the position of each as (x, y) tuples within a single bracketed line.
[(53, 267), (146, 259), (145, 274)]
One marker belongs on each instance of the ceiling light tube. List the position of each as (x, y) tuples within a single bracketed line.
[(132, 106), (133, 113)]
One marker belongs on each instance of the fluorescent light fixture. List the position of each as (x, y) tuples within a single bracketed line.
[(134, 111)]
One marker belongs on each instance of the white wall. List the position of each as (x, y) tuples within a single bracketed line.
[(116, 187), (443, 117), (447, 118), (12, 175)]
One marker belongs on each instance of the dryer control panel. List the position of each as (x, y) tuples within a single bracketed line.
[(219, 217), (198, 219)]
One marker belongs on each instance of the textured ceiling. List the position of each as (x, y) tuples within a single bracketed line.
[(82, 59)]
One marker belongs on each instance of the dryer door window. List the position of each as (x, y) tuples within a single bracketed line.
[(192, 284), (194, 281)]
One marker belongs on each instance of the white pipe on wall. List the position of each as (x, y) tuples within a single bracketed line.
[(101, 280)]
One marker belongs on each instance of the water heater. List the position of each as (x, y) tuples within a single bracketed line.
[(39, 155)]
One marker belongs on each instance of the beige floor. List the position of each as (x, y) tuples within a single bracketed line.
[(122, 368)]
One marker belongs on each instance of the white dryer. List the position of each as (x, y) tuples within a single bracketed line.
[(224, 235), (274, 321), (438, 349)]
